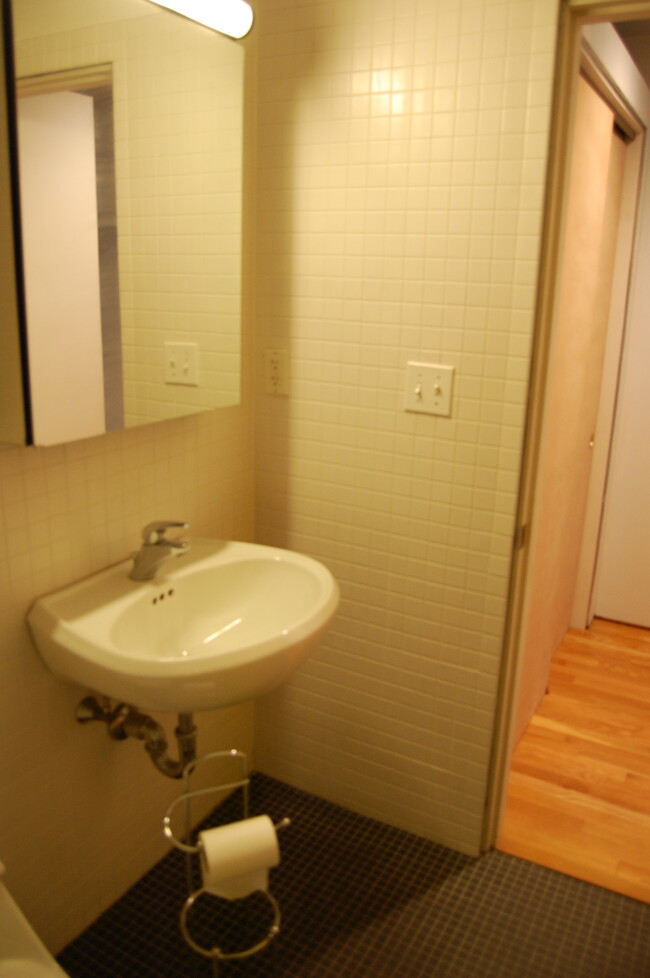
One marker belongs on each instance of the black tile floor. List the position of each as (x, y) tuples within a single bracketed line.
[(362, 899)]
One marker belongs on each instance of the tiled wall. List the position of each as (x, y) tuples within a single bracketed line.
[(177, 92), (402, 156), (401, 170), (80, 815)]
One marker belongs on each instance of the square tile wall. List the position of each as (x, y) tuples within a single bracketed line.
[(80, 815), (402, 160)]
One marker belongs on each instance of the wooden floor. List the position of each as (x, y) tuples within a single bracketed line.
[(579, 789)]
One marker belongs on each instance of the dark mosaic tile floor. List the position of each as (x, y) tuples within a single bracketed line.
[(362, 899)]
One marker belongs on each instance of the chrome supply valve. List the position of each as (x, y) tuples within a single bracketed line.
[(156, 548)]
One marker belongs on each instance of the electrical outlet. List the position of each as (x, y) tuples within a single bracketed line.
[(182, 364), (276, 372), (428, 388)]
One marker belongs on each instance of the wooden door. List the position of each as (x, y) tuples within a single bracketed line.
[(573, 389)]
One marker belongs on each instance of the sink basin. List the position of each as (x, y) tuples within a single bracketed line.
[(224, 623)]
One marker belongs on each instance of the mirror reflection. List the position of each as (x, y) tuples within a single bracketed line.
[(130, 146)]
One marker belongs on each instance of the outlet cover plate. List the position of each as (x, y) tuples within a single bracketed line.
[(276, 371)]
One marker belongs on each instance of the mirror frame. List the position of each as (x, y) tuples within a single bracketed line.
[(15, 410)]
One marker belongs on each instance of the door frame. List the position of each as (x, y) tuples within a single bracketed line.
[(574, 15)]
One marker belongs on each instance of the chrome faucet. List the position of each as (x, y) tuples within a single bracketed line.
[(156, 548)]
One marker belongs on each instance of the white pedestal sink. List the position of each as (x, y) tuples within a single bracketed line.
[(225, 623)]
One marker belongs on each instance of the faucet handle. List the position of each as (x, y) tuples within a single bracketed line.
[(155, 532)]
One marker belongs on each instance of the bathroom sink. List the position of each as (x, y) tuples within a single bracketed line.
[(225, 623)]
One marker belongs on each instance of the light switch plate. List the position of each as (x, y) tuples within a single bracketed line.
[(182, 364), (429, 388)]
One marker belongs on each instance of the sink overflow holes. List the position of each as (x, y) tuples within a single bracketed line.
[(163, 595)]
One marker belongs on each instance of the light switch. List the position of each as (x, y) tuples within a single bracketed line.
[(429, 388)]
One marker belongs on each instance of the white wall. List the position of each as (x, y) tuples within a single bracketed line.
[(56, 142), (402, 162)]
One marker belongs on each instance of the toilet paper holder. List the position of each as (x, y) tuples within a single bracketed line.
[(190, 850)]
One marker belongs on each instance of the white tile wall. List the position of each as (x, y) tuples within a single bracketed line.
[(401, 172), (80, 816)]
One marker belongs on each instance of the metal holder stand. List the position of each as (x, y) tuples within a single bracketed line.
[(215, 952)]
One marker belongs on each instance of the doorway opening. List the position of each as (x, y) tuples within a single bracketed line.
[(553, 580), (68, 208)]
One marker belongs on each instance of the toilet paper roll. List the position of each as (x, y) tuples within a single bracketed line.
[(236, 858)]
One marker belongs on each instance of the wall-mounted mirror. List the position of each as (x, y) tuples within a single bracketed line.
[(130, 152)]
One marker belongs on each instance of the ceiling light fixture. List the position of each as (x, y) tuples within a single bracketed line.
[(231, 17)]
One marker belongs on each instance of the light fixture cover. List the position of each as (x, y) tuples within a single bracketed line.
[(232, 17)]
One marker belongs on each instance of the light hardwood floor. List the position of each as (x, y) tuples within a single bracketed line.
[(579, 789)]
